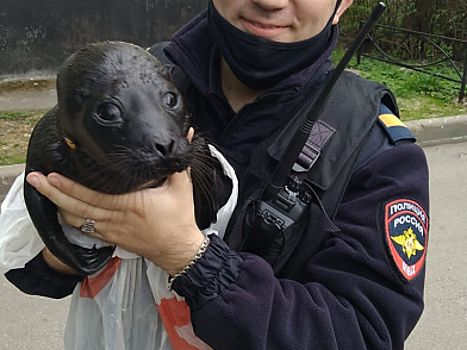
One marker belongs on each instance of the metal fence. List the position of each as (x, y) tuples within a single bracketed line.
[(441, 57)]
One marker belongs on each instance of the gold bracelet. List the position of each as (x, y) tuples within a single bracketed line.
[(199, 254)]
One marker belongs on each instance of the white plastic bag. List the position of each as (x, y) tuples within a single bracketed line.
[(115, 309), (126, 305), (19, 241)]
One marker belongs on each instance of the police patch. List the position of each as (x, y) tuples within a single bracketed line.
[(406, 231)]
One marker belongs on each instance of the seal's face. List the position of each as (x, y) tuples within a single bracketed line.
[(124, 114)]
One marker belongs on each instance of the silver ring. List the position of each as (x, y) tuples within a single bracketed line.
[(88, 226)]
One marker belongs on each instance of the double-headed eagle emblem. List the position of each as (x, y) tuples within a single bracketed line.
[(409, 242)]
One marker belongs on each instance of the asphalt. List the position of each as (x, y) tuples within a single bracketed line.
[(37, 323)]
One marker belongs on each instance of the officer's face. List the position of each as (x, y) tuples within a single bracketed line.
[(280, 20)]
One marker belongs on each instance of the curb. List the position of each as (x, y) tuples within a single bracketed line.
[(429, 132), (432, 132)]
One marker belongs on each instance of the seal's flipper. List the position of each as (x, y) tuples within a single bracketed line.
[(43, 214), (93, 259)]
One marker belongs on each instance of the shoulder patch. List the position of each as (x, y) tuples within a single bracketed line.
[(395, 128), (406, 235)]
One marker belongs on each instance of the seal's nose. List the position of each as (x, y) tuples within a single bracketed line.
[(165, 147)]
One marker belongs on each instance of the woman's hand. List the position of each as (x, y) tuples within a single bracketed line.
[(156, 223)]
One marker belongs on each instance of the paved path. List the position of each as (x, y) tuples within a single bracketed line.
[(28, 94), (28, 100), (30, 322), (444, 323), (36, 323)]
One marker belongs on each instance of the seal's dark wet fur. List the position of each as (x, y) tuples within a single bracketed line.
[(120, 125)]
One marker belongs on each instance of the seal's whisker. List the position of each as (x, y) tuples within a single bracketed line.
[(104, 175), (203, 177)]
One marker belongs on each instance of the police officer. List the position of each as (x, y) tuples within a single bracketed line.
[(250, 66)]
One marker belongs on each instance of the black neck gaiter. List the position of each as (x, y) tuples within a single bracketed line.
[(262, 63)]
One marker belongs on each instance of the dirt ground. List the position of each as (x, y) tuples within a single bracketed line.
[(26, 85)]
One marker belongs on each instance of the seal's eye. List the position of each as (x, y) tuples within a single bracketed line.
[(109, 111), (170, 100)]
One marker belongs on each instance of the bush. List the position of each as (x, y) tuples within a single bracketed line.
[(441, 17)]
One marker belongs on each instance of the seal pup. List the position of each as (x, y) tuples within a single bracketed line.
[(120, 124)]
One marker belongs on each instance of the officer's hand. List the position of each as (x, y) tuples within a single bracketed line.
[(157, 223)]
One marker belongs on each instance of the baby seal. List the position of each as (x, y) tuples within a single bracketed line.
[(120, 124)]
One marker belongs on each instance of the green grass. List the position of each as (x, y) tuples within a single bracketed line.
[(420, 95), (15, 130), (426, 107), (15, 115)]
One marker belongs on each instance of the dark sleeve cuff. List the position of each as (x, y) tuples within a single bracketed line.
[(215, 271), (38, 278)]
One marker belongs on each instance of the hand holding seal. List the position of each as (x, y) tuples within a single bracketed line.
[(157, 223)]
